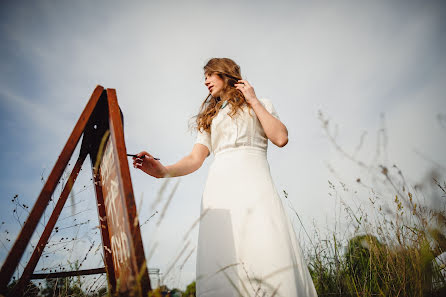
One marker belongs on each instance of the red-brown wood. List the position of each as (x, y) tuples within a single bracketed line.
[(117, 137), (105, 235), (17, 250), (68, 273)]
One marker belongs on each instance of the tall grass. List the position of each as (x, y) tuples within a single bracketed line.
[(396, 256), (395, 243)]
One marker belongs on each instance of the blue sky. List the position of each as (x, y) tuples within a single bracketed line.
[(352, 60)]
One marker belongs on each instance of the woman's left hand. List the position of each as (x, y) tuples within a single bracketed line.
[(247, 91)]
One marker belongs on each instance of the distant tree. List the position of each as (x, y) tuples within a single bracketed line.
[(363, 261), (190, 290)]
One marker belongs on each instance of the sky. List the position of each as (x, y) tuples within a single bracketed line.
[(365, 65)]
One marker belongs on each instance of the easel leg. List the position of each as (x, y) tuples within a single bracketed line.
[(106, 245)]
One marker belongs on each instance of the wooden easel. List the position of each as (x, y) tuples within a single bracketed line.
[(103, 139)]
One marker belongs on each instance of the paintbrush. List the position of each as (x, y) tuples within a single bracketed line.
[(135, 156)]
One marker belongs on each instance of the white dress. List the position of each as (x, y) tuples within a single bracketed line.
[(246, 244)]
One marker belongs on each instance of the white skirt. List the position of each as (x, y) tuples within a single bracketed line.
[(246, 244)]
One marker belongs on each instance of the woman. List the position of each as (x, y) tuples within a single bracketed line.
[(246, 245)]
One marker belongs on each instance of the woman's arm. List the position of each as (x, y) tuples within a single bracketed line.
[(190, 163), (274, 129), (186, 165)]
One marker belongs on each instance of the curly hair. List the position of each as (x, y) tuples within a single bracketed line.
[(229, 72)]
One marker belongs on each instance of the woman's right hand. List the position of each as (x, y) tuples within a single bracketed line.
[(149, 165)]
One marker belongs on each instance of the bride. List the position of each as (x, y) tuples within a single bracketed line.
[(246, 244)]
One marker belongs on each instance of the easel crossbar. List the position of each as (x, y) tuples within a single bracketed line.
[(68, 273)]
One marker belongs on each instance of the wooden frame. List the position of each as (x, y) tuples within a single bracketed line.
[(103, 139)]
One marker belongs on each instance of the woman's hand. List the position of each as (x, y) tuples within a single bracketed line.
[(247, 91), (149, 165)]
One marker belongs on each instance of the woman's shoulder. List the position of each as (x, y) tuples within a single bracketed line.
[(266, 102)]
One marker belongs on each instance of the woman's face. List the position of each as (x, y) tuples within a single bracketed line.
[(214, 84)]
